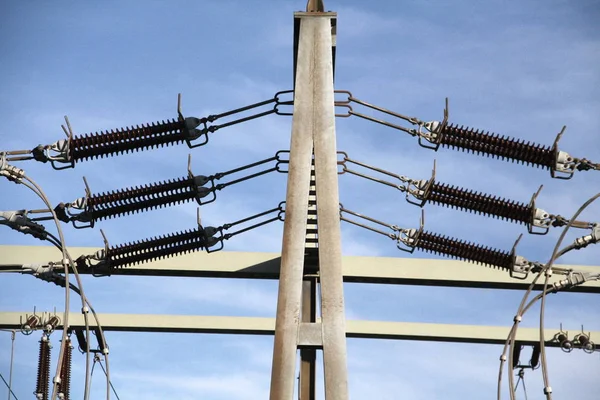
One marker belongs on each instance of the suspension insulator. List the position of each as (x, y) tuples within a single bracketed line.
[(462, 250), (146, 197), (64, 386), (468, 200), (157, 248), (126, 140), (494, 145), (43, 373)]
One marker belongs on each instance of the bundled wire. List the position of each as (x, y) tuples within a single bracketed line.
[(524, 306), (18, 176)]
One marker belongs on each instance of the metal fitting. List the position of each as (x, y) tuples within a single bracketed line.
[(12, 173), (19, 221)]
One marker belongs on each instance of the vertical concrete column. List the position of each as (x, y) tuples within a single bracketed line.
[(328, 214), (313, 122), (294, 228), (308, 357)]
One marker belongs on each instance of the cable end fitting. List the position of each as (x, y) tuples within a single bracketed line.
[(548, 390), (13, 174), (517, 318)]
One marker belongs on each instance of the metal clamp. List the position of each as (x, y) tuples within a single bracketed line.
[(11, 173), (406, 239), (206, 122), (19, 221), (212, 231), (58, 152)]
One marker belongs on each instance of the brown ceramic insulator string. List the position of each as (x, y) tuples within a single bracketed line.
[(462, 250), (64, 386), (124, 140), (43, 373), (494, 145), (146, 197), (156, 248), (481, 203)]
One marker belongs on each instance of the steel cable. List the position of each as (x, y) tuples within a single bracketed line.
[(513, 332), (60, 242)]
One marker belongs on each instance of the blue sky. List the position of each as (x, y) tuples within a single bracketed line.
[(521, 69)]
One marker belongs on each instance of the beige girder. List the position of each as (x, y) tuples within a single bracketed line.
[(230, 264), (266, 326)]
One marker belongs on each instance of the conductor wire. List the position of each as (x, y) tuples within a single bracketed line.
[(66, 256), (510, 334), (520, 311), (94, 314), (30, 183), (91, 308), (547, 389)]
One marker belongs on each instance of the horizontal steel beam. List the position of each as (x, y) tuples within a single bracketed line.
[(266, 326), (403, 271)]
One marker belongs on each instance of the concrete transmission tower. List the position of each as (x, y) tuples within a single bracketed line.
[(313, 142), (311, 256)]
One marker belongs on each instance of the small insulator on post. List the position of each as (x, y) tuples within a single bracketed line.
[(64, 387), (43, 374)]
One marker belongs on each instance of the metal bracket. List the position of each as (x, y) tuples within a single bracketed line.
[(424, 187), (410, 241), (190, 125), (534, 361), (520, 265), (61, 147), (583, 341), (563, 162), (199, 182), (436, 129), (539, 218), (46, 321)]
